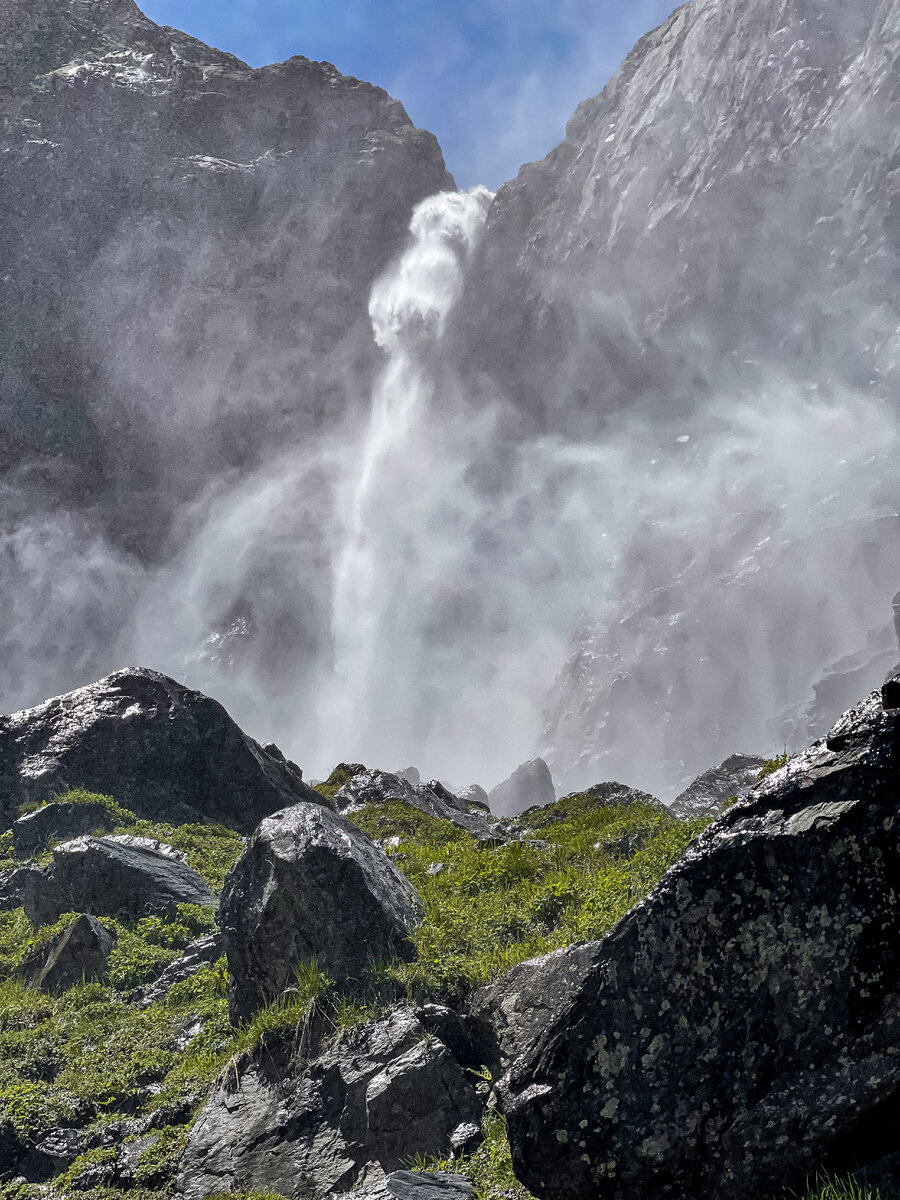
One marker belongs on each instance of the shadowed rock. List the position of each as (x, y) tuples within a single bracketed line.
[(715, 787), (78, 954), (417, 1185), (529, 786), (310, 885), (740, 1025), (121, 876), (380, 787), (160, 749), (32, 832), (202, 952), (368, 1104)]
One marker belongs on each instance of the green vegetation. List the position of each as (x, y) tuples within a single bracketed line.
[(341, 774), (488, 909), (489, 1167), (844, 1187), (773, 764), (115, 813)]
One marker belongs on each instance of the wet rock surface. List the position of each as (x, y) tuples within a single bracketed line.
[(380, 787), (740, 1025), (715, 787), (308, 886), (160, 749), (359, 1111), (528, 786), (78, 954), (118, 876), (32, 832), (417, 1185)]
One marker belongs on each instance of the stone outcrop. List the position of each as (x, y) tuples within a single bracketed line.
[(160, 749), (380, 787), (122, 876), (417, 1185), (715, 787), (78, 954), (309, 886), (57, 821), (529, 786), (202, 952), (740, 1025), (362, 1109)]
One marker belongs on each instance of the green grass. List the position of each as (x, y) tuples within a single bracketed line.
[(489, 1167), (770, 765), (489, 909), (341, 774), (843, 1187), (116, 814)]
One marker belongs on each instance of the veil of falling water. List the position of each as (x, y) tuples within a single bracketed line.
[(408, 308)]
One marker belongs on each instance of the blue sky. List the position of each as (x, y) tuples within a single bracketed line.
[(496, 80)]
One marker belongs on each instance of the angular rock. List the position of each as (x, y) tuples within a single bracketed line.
[(310, 885), (12, 887), (32, 832), (202, 952), (506, 1017), (367, 1105), (417, 1185), (78, 954), (119, 876), (475, 794), (601, 795), (709, 791), (740, 1025), (161, 750), (380, 787), (529, 786)]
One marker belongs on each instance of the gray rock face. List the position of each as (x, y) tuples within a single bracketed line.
[(417, 1185), (215, 230), (362, 1109), (32, 832), (124, 876), (310, 886), (507, 1017), (529, 786), (709, 791), (740, 1025), (78, 954), (160, 749), (379, 787), (12, 886)]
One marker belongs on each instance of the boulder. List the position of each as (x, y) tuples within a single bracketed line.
[(715, 787), (120, 876), (380, 787), (368, 1104), (310, 885), (202, 952), (529, 786), (160, 749), (32, 832), (12, 886), (506, 1017), (78, 954), (601, 795), (474, 794), (417, 1185), (740, 1026)]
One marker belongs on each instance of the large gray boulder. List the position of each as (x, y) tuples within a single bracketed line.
[(529, 786), (739, 1026), (158, 748), (310, 885), (715, 787), (417, 1185), (78, 954), (121, 876), (381, 787), (365, 1107)]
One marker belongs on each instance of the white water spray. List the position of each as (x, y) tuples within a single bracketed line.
[(409, 306)]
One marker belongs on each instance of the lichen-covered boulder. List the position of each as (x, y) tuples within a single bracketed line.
[(740, 1026), (364, 1107), (119, 876), (160, 749), (78, 954), (381, 787), (417, 1185), (309, 885), (705, 795)]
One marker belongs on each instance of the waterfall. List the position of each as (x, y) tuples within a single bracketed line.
[(382, 498)]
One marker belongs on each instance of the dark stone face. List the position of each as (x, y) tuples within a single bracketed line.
[(310, 886), (159, 749), (740, 1026)]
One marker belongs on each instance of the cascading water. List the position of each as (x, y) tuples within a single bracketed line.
[(408, 309)]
